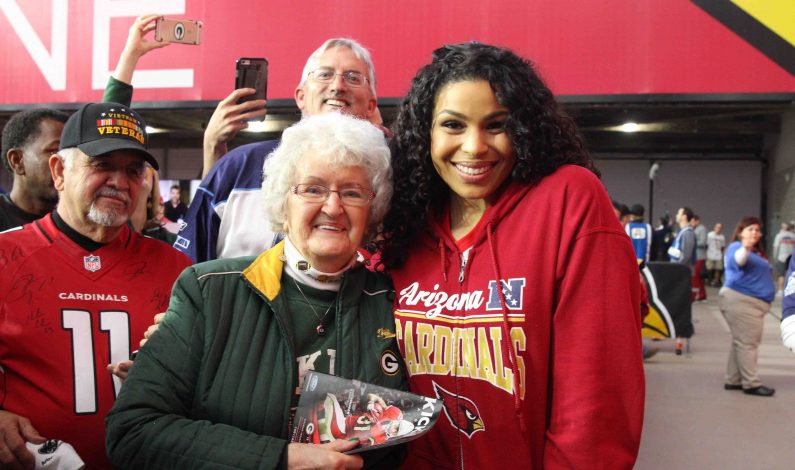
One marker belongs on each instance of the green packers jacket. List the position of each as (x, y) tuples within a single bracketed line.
[(212, 388)]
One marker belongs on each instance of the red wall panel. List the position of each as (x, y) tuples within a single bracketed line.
[(582, 48)]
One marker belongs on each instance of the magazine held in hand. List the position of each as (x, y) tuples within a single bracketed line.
[(332, 408)]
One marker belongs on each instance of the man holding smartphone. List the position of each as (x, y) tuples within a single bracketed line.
[(225, 218)]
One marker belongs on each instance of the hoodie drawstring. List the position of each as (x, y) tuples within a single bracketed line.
[(505, 343), (443, 259)]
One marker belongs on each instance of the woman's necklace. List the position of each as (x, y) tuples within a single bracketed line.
[(321, 328)]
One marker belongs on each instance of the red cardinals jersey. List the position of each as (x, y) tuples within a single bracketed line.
[(65, 314)]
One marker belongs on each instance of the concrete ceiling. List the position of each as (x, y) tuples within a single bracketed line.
[(675, 125)]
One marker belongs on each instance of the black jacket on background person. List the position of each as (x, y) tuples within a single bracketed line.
[(12, 216)]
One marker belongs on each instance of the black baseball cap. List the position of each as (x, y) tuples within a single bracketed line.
[(100, 128)]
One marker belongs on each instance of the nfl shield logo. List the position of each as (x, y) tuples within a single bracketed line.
[(92, 263)]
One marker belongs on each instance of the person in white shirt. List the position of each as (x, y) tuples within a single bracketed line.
[(782, 250), (716, 245)]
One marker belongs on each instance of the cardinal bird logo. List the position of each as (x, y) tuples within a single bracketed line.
[(462, 412)]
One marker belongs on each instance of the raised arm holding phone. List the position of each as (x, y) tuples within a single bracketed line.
[(230, 117), (119, 88)]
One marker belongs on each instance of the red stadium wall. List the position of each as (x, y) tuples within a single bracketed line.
[(57, 51)]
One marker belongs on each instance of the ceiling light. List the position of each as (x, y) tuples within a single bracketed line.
[(257, 126), (629, 127), (155, 130), (270, 124)]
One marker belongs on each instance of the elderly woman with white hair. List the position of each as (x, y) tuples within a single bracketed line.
[(217, 385)]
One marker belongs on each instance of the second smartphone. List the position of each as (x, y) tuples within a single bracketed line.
[(252, 72)]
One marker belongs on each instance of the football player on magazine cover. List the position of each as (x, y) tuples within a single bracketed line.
[(375, 426)]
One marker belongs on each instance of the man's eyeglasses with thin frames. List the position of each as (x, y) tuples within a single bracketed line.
[(327, 75)]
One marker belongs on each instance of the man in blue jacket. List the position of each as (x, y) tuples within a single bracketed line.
[(226, 217)]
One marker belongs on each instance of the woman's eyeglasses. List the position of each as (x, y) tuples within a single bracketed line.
[(350, 196)]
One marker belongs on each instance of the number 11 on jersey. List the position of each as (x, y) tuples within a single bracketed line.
[(116, 325)]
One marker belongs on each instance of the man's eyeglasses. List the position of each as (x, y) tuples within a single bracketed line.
[(350, 196), (327, 75)]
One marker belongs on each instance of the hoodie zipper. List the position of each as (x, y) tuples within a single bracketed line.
[(464, 261)]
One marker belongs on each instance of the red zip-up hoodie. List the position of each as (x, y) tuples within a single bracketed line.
[(547, 373)]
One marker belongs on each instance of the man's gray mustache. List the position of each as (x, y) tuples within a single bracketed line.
[(110, 192)]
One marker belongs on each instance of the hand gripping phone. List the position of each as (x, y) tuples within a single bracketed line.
[(252, 72), (179, 31)]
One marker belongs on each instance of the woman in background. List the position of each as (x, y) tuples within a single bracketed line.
[(744, 300)]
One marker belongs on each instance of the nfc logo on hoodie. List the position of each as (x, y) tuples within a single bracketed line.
[(512, 290)]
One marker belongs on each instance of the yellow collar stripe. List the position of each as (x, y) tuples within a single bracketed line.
[(265, 272)]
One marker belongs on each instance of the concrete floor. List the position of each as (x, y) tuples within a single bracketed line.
[(691, 422)]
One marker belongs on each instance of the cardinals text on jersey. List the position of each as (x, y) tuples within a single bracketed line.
[(467, 345)]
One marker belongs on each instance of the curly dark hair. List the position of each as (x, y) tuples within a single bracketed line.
[(543, 136), (24, 127)]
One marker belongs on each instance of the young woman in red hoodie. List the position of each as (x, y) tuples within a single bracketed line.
[(517, 300)]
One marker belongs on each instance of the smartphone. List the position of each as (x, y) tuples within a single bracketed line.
[(252, 72), (179, 31)]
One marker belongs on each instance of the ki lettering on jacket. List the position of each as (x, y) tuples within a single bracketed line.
[(460, 334), (307, 363)]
